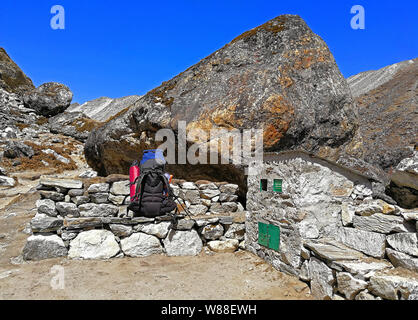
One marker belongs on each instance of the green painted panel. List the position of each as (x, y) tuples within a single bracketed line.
[(263, 236), (274, 237), (269, 236), (278, 185)]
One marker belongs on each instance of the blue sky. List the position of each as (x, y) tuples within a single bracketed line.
[(119, 48)]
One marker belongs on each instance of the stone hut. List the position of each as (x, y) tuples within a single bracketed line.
[(318, 220)]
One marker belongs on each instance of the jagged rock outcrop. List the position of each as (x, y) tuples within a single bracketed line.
[(279, 76), (12, 78), (387, 106)]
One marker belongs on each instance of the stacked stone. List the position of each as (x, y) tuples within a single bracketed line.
[(93, 222), (373, 256), (334, 235), (205, 197)]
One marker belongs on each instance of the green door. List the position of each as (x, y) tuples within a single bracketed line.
[(269, 236), (274, 237), (263, 237)]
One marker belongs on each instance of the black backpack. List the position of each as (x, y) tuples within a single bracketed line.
[(153, 194)]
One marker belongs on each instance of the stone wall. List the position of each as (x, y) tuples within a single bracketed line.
[(86, 219), (334, 235)]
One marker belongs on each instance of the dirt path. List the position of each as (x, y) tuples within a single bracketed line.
[(239, 275)]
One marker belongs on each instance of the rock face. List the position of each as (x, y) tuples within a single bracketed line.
[(280, 76), (49, 99), (12, 78), (103, 108), (387, 104)]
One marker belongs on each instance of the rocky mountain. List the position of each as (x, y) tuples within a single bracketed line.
[(12, 78), (102, 109), (387, 101), (279, 76), (79, 120)]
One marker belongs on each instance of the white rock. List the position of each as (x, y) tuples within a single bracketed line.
[(304, 274), (308, 230), (410, 215), (46, 206), (191, 196), (347, 213), (141, 245), (88, 174), (98, 188), (189, 186), (370, 243), (403, 260), (120, 188), (394, 285), (229, 245), (364, 268), (381, 223), (116, 200), (209, 193), (97, 210), (212, 232), (236, 231), (229, 188), (198, 209), (404, 242), (349, 286), (322, 280), (183, 243), (7, 181), (368, 208), (94, 244), (63, 183), (365, 295), (159, 230)]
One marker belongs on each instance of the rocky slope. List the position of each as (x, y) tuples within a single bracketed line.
[(387, 101), (279, 76), (12, 78), (102, 109)]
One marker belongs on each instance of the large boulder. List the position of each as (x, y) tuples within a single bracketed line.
[(12, 78), (49, 98), (280, 76)]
